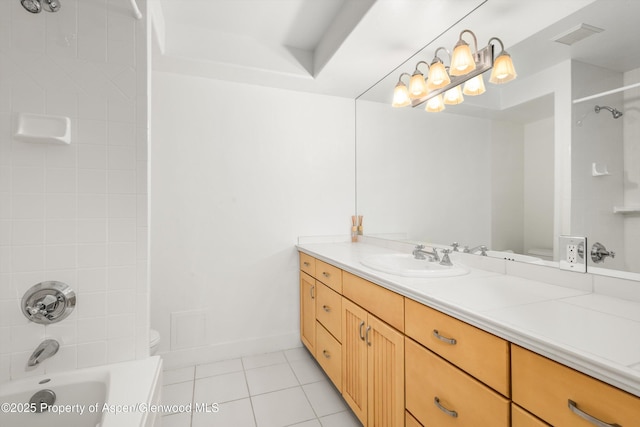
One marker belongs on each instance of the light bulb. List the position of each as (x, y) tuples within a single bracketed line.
[(401, 96), (503, 70), (435, 104), (462, 61), (417, 86), (438, 76), (453, 96), (475, 86)]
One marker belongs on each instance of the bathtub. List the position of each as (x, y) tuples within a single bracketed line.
[(117, 395)]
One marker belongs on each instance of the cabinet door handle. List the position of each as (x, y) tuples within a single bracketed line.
[(325, 274), (311, 289), (367, 335), (451, 341), (449, 412), (573, 406), (326, 308), (326, 354), (360, 328), (306, 263)]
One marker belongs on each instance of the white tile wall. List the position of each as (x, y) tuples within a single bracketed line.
[(75, 213)]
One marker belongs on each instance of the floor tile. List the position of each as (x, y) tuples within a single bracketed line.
[(307, 371), (182, 419), (218, 368), (175, 376), (237, 413), (282, 408), (265, 359), (310, 423), (270, 378), (221, 388), (177, 394), (341, 419), (297, 354), (324, 398)]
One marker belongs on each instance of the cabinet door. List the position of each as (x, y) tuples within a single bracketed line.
[(354, 359), (308, 311), (385, 377)]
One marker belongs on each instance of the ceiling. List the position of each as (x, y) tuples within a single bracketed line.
[(333, 47)]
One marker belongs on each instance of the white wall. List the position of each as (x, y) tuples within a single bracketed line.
[(424, 175), (239, 172), (74, 213), (539, 178)]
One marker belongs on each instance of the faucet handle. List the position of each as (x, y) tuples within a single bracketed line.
[(445, 257), (483, 250), (455, 246)]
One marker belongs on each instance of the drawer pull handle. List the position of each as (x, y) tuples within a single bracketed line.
[(326, 354), (306, 263), (326, 308), (593, 420), (311, 289), (361, 333), (451, 413), (451, 341), (367, 335), (325, 274)]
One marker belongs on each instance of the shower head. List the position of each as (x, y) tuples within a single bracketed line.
[(36, 6), (615, 112)]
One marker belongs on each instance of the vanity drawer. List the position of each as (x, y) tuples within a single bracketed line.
[(545, 388), (522, 418), (329, 275), (308, 264), (435, 386), (383, 303), (329, 355), (477, 352), (329, 309)]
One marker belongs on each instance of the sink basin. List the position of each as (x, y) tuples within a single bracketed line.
[(407, 266)]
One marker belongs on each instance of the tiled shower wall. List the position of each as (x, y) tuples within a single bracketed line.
[(75, 213)]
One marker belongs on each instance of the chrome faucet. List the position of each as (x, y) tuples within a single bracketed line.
[(420, 253), (45, 350), (482, 248)]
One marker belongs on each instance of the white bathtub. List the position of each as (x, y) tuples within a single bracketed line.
[(118, 395)]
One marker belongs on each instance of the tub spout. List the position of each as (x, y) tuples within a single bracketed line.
[(45, 350)]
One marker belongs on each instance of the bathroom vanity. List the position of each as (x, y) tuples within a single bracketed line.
[(483, 349)]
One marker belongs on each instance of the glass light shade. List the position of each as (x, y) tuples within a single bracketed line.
[(503, 70), (462, 61), (401, 96), (435, 104), (475, 86), (453, 96), (417, 86), (438, 76)]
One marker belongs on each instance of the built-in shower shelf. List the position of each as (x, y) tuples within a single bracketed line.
[(625, 210), (42, 128)]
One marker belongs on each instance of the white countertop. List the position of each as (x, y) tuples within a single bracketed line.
[(592, 333)]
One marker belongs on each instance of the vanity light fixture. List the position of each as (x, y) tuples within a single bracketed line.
[(503, 69), (445, 83), (417, 84), (462, 60), (438, 76), (401, 93)]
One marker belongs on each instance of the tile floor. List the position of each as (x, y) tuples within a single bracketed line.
[(280, 389)]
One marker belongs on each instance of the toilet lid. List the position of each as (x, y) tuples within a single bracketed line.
[(154, 337)]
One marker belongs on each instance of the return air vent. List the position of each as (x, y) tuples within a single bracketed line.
[(577, 33)]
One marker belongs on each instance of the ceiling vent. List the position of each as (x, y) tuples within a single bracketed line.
[(577, 33)]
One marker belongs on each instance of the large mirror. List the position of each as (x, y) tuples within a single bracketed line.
[(555, 152)]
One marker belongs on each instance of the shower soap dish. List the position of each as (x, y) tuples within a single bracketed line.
[(43, 128)]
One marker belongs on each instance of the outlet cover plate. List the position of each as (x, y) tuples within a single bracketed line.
[(572, 253)]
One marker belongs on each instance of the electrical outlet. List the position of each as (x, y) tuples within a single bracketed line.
[(572, 253)]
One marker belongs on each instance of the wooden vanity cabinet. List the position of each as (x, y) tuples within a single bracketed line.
[(372, 367), (564, 397), (308, 311), (522, 418)]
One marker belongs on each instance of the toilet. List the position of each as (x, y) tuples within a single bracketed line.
[(154, 341)]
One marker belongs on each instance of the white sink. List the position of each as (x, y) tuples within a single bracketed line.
[(407, 266)]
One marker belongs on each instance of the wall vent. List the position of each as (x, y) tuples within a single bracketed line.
[(577, 33)]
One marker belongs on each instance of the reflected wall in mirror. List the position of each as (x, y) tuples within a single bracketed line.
[(512, 168)]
